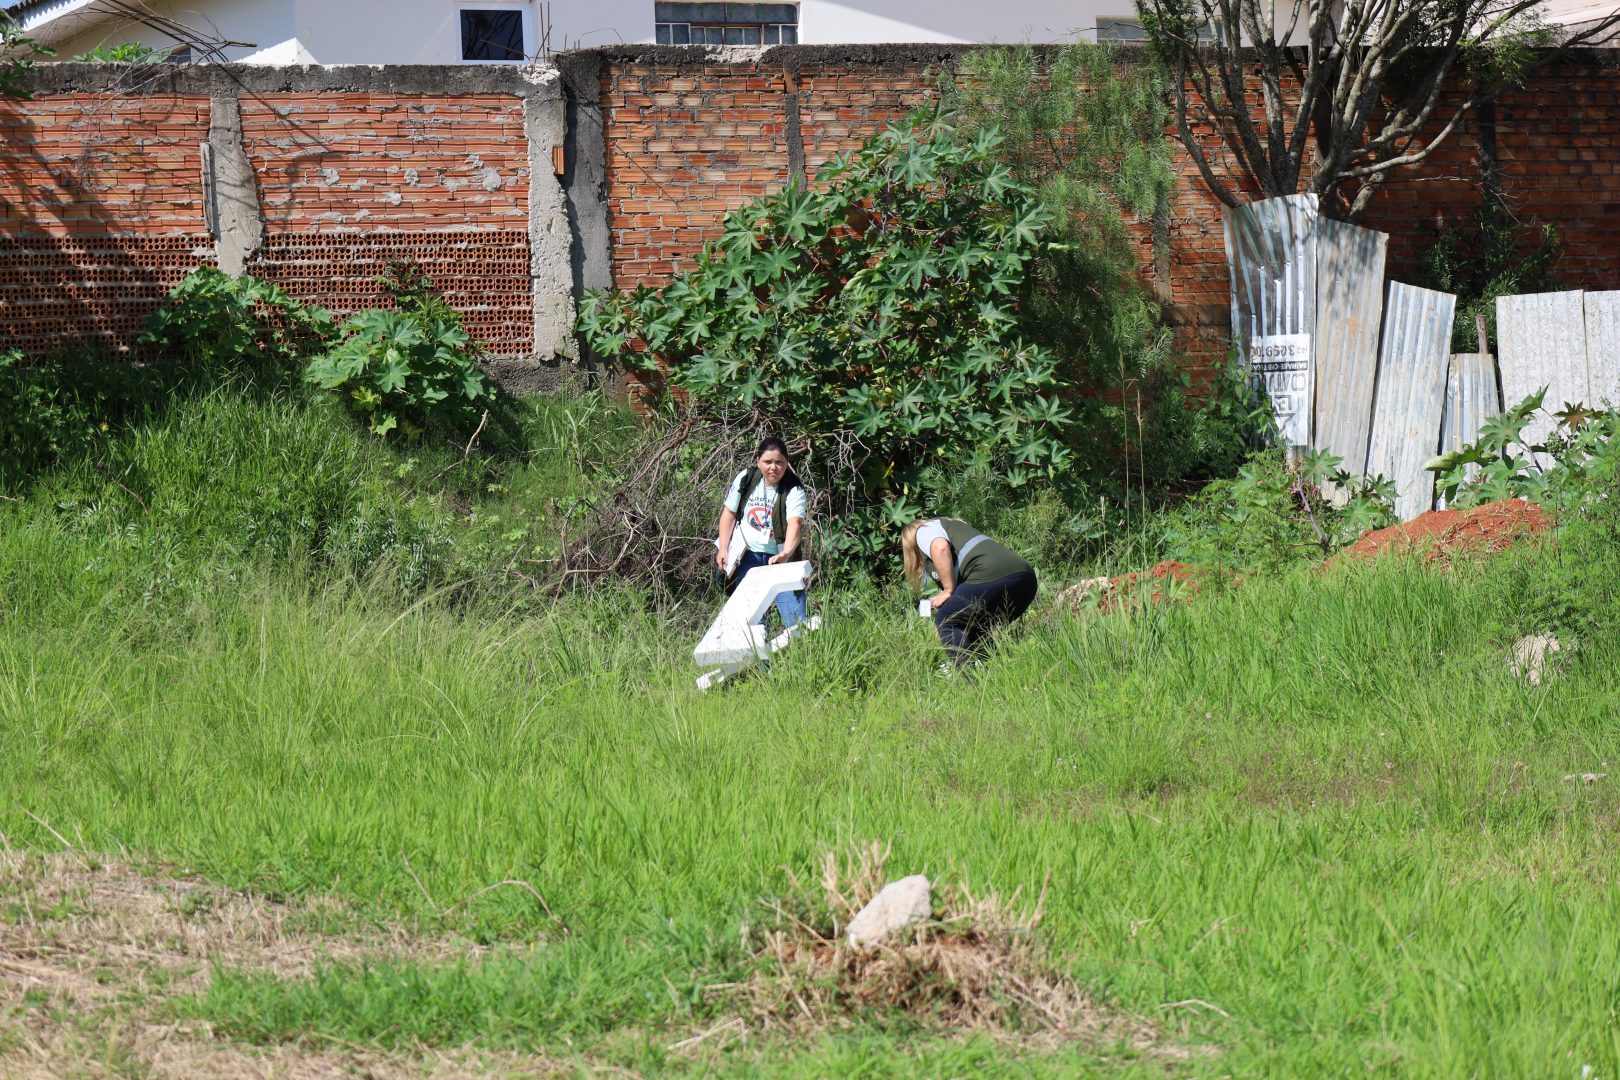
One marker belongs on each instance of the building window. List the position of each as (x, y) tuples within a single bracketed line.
[(726, 24), (492, 35)]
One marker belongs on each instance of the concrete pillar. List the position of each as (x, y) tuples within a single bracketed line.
[(545, 121), (230, 190), (585, 179)]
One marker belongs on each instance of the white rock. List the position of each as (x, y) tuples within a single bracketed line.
[(897, 905), (1531, 655)]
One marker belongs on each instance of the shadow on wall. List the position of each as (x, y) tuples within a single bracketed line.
[(98, 225)]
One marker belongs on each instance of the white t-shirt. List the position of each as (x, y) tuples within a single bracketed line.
[(754, 516)]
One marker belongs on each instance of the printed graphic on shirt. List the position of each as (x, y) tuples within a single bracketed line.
[(755, 515)]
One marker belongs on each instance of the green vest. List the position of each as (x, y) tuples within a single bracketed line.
[(987, 561)]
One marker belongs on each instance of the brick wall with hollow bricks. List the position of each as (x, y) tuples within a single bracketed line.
[(101, 199)]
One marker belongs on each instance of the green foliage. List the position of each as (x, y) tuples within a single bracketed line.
[(212, 319), (412, 369), (59, 405), (1273, 513), (131, 52), (1082, 126), (1493, 255), (18, 54), (1572, 587), (877, 308), (1570, 468)]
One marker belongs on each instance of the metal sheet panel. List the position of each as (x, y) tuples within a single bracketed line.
[(1411, 392), (1471, 399), (1271, 257), (1602, 347), (1349, 307), (1541, 341)]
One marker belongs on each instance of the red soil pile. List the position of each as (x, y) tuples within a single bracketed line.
[(1441, 535), (1116, 592)]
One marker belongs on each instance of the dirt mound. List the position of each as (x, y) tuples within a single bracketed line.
[(1442, 535), (1168, 580), (975, 966)]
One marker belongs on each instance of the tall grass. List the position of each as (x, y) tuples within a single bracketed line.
[(1312, 824), (1321, 806)]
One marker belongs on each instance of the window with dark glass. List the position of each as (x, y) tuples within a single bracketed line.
[(491, 34), (726, 24)]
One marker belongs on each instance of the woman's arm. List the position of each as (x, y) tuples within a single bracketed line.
[(945, 566), (728, 522), (790, 542)]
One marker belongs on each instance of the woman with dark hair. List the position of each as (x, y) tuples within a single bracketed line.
[(981, 583), (765, 506)]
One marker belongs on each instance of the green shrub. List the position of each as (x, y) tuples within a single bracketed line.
[(131, 52), (211, 318), (1273, 513), (410, 369), (1082, 125), (1494, 254), (17, 57), (876, 309), (1568, 470)]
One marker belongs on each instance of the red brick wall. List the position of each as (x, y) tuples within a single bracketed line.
[(102, 205), (349, 182), (685, 145), (672, 174), (101, 200), (93, 223), (1558, 139)]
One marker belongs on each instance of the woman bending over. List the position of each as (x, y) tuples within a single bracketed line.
[(982, 584)]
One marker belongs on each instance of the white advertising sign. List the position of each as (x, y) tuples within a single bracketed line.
[(1282, 364)]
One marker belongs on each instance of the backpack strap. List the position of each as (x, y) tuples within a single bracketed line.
[(745, 484)]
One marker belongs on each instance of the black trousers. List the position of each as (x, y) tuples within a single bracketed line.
[(966, 620)]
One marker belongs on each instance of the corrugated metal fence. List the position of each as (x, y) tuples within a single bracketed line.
[(1370, 379)]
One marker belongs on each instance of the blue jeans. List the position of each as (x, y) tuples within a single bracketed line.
[(790, 605)]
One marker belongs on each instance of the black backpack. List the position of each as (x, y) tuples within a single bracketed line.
[(790, 480)]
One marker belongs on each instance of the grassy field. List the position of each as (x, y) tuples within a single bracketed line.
[(1311, 826)]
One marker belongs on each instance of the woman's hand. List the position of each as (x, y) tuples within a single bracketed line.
[(720, 557), (940, 598), (779, 557)]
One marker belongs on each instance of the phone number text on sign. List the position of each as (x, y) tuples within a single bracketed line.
[(1282, 364)]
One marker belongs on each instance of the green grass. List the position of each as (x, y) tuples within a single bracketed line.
[(1312, 824)]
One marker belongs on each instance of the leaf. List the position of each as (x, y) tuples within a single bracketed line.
[(392, 372)]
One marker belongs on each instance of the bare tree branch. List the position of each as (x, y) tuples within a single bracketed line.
[(1380, 84)]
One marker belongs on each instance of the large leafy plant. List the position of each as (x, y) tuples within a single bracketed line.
[(1574, 464), (876, 310), (408, 369)]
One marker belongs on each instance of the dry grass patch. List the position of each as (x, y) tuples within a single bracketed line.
[(91, 949), (975, 967)]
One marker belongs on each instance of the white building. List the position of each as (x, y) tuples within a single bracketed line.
[(478, 31)]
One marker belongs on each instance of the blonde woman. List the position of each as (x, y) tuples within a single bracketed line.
[(981, 583)]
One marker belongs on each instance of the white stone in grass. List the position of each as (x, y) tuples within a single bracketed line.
[(1532, 655), (897, 905)]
